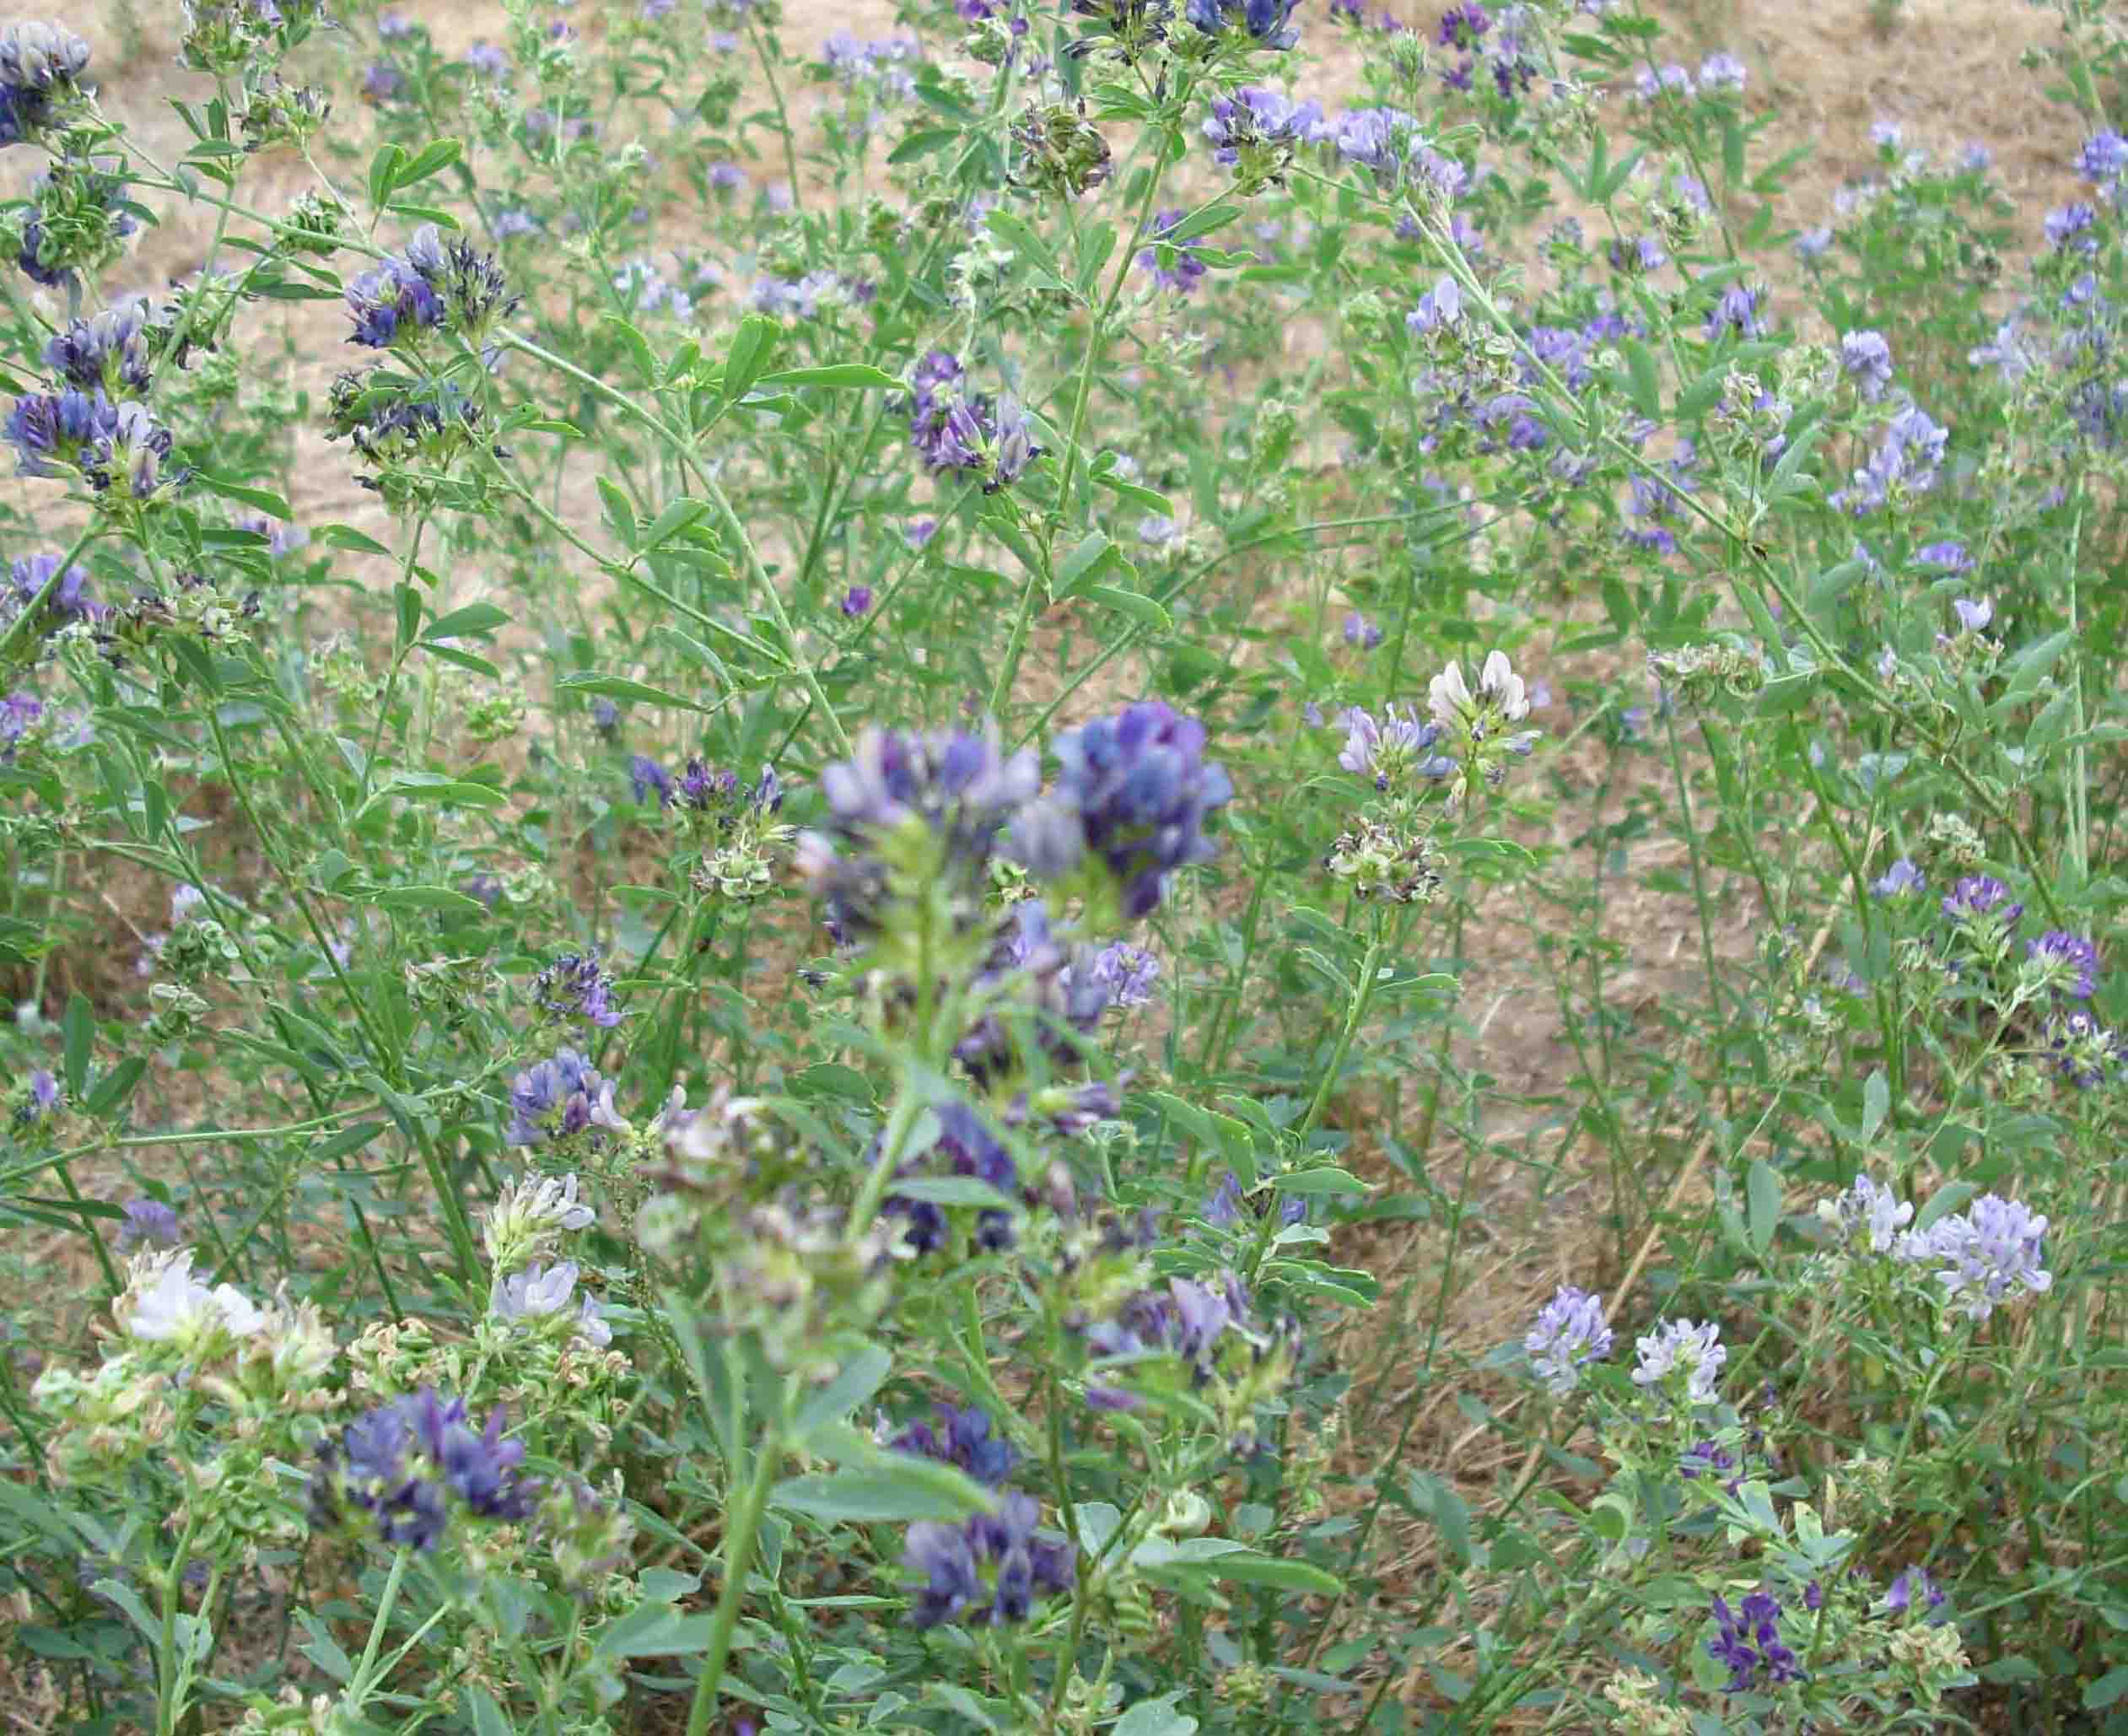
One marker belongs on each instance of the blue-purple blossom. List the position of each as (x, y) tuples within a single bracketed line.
[(2067, 223), (2103, 156), (107, 351), (1386, 750), (2085, 1051), (66, 599), (1902, 879), (1257, 117), (1738, 311), (1973, 613), (1224, 1209), (429, 285), (556, 1097), (1438, 310), (1361, 632), (2071, 957), (1187, 269), (648, 777), (1265, 21), (409, 1463), (1134, 790), (1912, 1585), (1945, 557), (963, 1438), (1748, 1641), (856, 600), (1570, 1332), (1813, 245), (1907, 458), (953, 430), (1125, 975), (1697, 1351), (1867, 359), (575, 987), (148, 1223), (989, 1572), (1977, 896)]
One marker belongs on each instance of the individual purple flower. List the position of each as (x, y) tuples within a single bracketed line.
[(1438, 310), (1946, 557), (1901, 880), (1867, 359), (2070, 959), (1976, 897), (1257, 117), (1813, 245), (575, 987), (107, 351), (1462, 26), (961, 1438), (646, 776), (1570, 1332), (727, 177), (148, 1223), (1134, 790), (1748, 1641), (1868, 1209), (1912, 1585), (1907, 459), (918, 533), (856, 600), (487, 60), (1187, 269), (1973, 613), (53, 431), (20, 713), (1361, 632), (66, 595)]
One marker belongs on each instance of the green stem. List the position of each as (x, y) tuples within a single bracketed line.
[(739, 1552)]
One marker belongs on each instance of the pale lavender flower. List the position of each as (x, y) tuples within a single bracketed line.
[(2073, 957), (1813, 243), (2103, 156), (1721, 72), (1361, 632), (1947, 556), (149, 1222), (1982, 895), (1879, 1211), (1867, 359), (1989, 1253), (1570, 1331), (1973, 613), (1903, 878), (1679, 1345)]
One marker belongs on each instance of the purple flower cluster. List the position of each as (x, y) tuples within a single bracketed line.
[(1387, 750), (556, 1097), (106, 353), (1134, 790), (1747, 1640), (1258, 118), (67, 599), (1228, 1204), (1989, 1254), (38, 64), (410, 1462), (1186, 270), (1570, 1332), (1188, 1321), (1978, 897), (989, 1572), (575, 987), (148, 1223), (963, 1438), (1266, 22), (952, 430), (428, 287), (2072, 955), (1124, 975), (1907, 458), (1468, 28), (1912, 1585), (1866, 358), (1903, 878), (966, 1149)]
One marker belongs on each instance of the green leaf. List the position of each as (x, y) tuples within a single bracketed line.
[(1201, 223), (1641, 382), (488, 1718), (952, 1190), (655, 1630), (1316, 1182), (439, 154), (1016, 234), (79, 1031), (1762, 1189), (264, 501), (1876, 1102), (840, 376), (116, 1086), (2107, 1689), (899, 1489), (347, 536), (1091, 555), (619, 686), (424, 897), (861, 1375), (619, 511), (1248, 1566), (1155, 1717), (474, 618), (384, 172), (751, 345), (1143, 610)]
